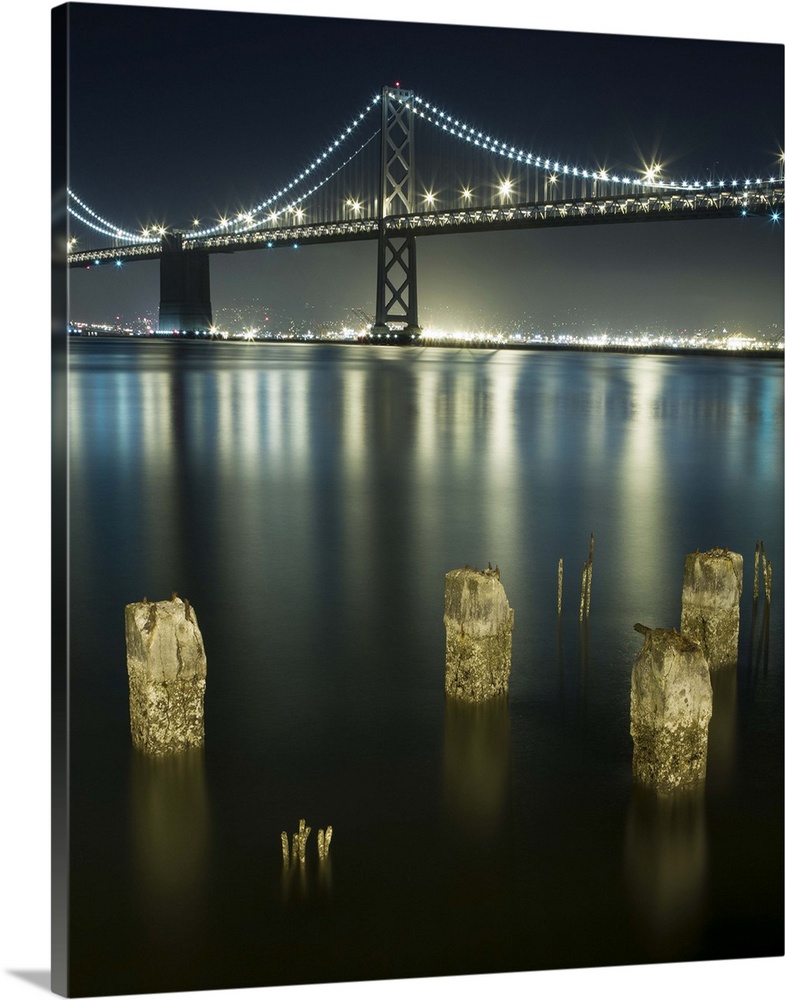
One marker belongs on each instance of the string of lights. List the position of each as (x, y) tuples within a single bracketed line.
[(483, 139), (245, 221), (102, 225), (651, 176), (290, 197)]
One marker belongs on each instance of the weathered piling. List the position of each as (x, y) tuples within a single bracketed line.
[(478, 621), (711, 598), (302, 839), (323, 840), (167, 675), (285, 848), (589, 571), (559, 581), (583, 590), (756, 574), (670, 708)]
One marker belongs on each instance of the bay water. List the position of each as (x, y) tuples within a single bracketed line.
[(308, 500)]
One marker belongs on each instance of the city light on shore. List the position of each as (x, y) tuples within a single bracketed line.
[(710, 340)]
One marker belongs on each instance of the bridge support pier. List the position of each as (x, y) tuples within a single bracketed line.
[(396, 274), (185, 306), (396, 283)]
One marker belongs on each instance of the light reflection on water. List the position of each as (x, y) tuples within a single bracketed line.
[(308, 501), (666, 867)]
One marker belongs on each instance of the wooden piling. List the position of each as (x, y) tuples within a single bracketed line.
[(559, 587), (302, 838), (767, 581), (755, 577), (478, 623), (671, 703), (589, 574), (583, 589), (167, 675), (323, 842), (711, 594)]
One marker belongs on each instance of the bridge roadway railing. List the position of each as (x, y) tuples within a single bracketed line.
[(660, 206), (681, 204)]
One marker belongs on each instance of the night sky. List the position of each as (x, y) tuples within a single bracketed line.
[(182, 114)]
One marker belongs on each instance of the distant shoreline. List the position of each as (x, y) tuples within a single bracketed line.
[(715, 352)]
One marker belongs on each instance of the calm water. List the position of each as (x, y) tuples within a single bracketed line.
[(308, 501)]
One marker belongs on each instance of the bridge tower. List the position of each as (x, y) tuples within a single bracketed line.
[(185, 287), (396, 274)]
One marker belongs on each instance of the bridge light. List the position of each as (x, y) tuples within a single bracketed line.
[(430, 198), (466, 194), (650, 174)]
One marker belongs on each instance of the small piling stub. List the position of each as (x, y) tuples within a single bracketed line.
[(711, 598), (167, 672), (479, 621), (670, 708)]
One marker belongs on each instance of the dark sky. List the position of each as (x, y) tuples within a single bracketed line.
[(177, 114)]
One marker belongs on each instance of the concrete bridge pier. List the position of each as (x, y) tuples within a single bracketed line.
[(185, 288)]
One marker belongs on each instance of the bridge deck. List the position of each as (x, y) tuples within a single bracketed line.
[(680, 206)]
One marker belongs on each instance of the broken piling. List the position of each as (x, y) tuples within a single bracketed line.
[(478, 621), (167, 672)]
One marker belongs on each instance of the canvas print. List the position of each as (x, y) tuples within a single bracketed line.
[(419, 477)]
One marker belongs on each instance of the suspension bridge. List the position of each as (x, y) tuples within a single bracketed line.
[(367, 184)]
